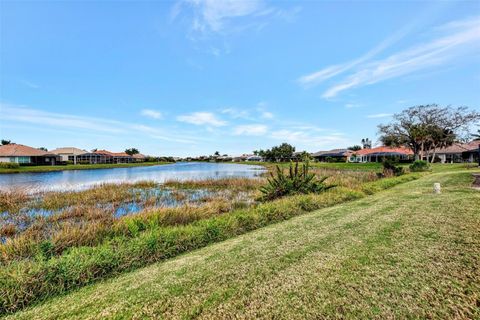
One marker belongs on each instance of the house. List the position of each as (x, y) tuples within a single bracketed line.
[(378, 154), (68, 153), (459, 152), (254, 158), (335, 155), (104, 156), (139, 157), (22, 154)]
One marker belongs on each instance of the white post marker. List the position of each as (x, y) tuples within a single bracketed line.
[(437, 188)]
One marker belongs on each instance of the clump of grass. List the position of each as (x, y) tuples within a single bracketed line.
[(13, 200), (296, 181)]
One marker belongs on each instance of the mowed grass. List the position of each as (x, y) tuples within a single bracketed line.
[(79, 167), (401, 253)]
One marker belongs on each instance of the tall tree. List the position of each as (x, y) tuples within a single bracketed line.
[(355, 148), (132, 151), (5, 142), (426, 128)]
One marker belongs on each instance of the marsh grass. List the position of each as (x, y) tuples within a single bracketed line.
[(67, 251)]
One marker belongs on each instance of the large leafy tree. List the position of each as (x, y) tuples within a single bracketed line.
[(132, 151), (426, 128), (283, 152)]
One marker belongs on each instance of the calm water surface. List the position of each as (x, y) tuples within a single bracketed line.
[(81, 179)]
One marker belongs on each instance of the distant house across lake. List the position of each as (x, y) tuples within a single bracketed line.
[(104, 156), (19, 153), (459, 152), (379, 153), (68, 154), (335, 155)]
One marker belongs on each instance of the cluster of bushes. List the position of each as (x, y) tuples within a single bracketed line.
[(9, 165), (419, 166), (391, 168), (27, 281)]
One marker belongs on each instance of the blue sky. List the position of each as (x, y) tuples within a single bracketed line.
[(192, 77)]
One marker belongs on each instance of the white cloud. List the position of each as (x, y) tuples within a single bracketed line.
[(228, 16), (250, 130), (379, 115), (202, 118), (235, 113), (154, 114), (266, 115), (21, 114), (460, 40), (308, 140)]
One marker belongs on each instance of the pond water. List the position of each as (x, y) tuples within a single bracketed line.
[(71, 180)]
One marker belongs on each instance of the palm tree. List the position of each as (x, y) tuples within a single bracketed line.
[(367, 143)]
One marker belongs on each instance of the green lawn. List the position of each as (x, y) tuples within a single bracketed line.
[(78, 167), (401, 253)]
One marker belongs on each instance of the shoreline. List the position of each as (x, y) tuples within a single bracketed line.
[(36, 169)]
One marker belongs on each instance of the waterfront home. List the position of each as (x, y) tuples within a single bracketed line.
[(104, 156), (68, 154), (335, 155), (459, 152), (19, 153), (139, 157), (378, 154)]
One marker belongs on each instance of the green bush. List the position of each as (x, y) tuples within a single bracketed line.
[(390, 168), (9, 165), (419, 166), (295, 182), (25, 282)]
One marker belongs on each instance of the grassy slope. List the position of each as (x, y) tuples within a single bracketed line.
[(79, 167), (400, 253)]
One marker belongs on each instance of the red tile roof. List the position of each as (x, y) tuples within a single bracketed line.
[(384, 149), (19, 150)]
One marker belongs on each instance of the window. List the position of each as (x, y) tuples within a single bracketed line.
[(23, 160)]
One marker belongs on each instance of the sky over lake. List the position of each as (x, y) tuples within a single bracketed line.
[(193, 77)]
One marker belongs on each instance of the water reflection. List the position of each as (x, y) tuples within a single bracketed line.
[(73, 180)]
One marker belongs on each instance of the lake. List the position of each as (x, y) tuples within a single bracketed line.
[(68, 180)]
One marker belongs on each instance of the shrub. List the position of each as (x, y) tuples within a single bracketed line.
[(390, 168), (295, 182), (9, 165), (419, 166)]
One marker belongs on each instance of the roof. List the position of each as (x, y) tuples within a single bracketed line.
[(113, 154), (20, 150), (334, 152), (69, 150), (384, 150), (139, 156), (460, 147)]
